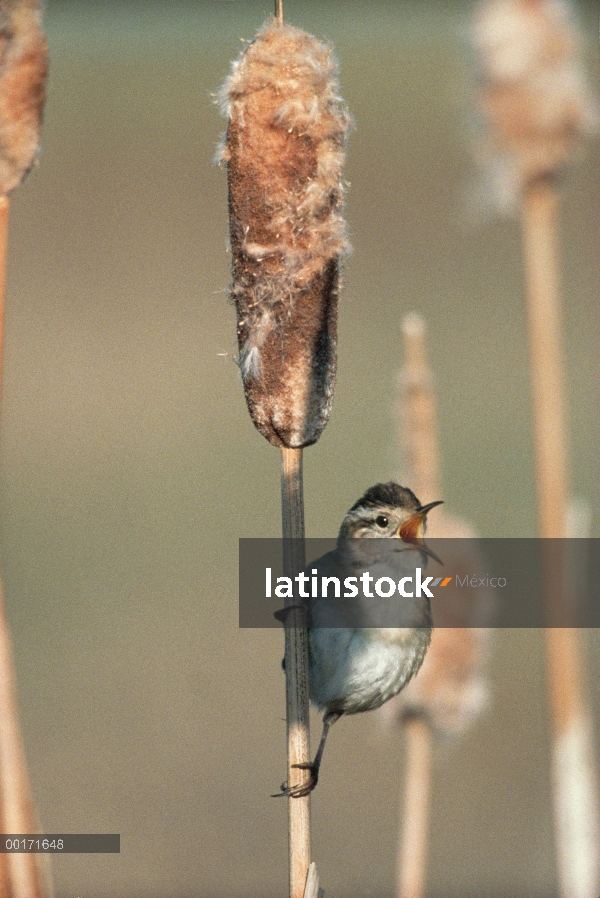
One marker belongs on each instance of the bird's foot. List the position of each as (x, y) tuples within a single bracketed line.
[(303, 789)]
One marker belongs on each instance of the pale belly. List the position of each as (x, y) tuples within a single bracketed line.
[(358, 670)]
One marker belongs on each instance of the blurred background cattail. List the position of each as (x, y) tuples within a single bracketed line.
[(534, 101), (23, 69), (537, 107), (451, 688)]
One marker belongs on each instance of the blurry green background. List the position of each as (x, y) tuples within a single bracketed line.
[(129, 465)]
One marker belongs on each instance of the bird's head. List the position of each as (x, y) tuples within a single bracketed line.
[(388, 510)]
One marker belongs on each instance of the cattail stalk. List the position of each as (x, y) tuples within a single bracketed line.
[(412, 847), (577, 832), (417, 413), (418, 417), (279, 12), (537, 106), (540, 249), (26, 874), (296, 672), (4, 704), (4, 210), (449, 690), (23, 67), (284, 149), (6, 701)]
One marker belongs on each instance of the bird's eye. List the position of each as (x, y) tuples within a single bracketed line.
[(381, 521)]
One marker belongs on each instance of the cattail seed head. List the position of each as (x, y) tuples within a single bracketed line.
[(284, 149), (533, 97), (23, 69)]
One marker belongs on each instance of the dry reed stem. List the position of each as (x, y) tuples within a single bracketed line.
[(21, 875), (279, 11), (4, 213), (575, 776), (416, 413), (575, 787), (540, 247), (26, 872), (5, 887), (412, 848), (296, 672), (284, 149), (23, 68)]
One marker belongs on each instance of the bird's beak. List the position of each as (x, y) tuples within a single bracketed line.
[(411, 531), (413, 528)]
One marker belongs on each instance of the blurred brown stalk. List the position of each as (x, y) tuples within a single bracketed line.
[(536, 104), (23, 66), (450, 689)]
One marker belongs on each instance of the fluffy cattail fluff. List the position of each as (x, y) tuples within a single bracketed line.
[(533, 94), (23, 69), (451, 687), (284, 149)]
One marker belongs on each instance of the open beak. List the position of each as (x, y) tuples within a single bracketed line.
[(411, 531)]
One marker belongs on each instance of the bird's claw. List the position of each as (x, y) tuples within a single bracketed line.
[(302, 789)]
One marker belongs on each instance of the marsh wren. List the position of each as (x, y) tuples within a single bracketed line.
[(358, 669)]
